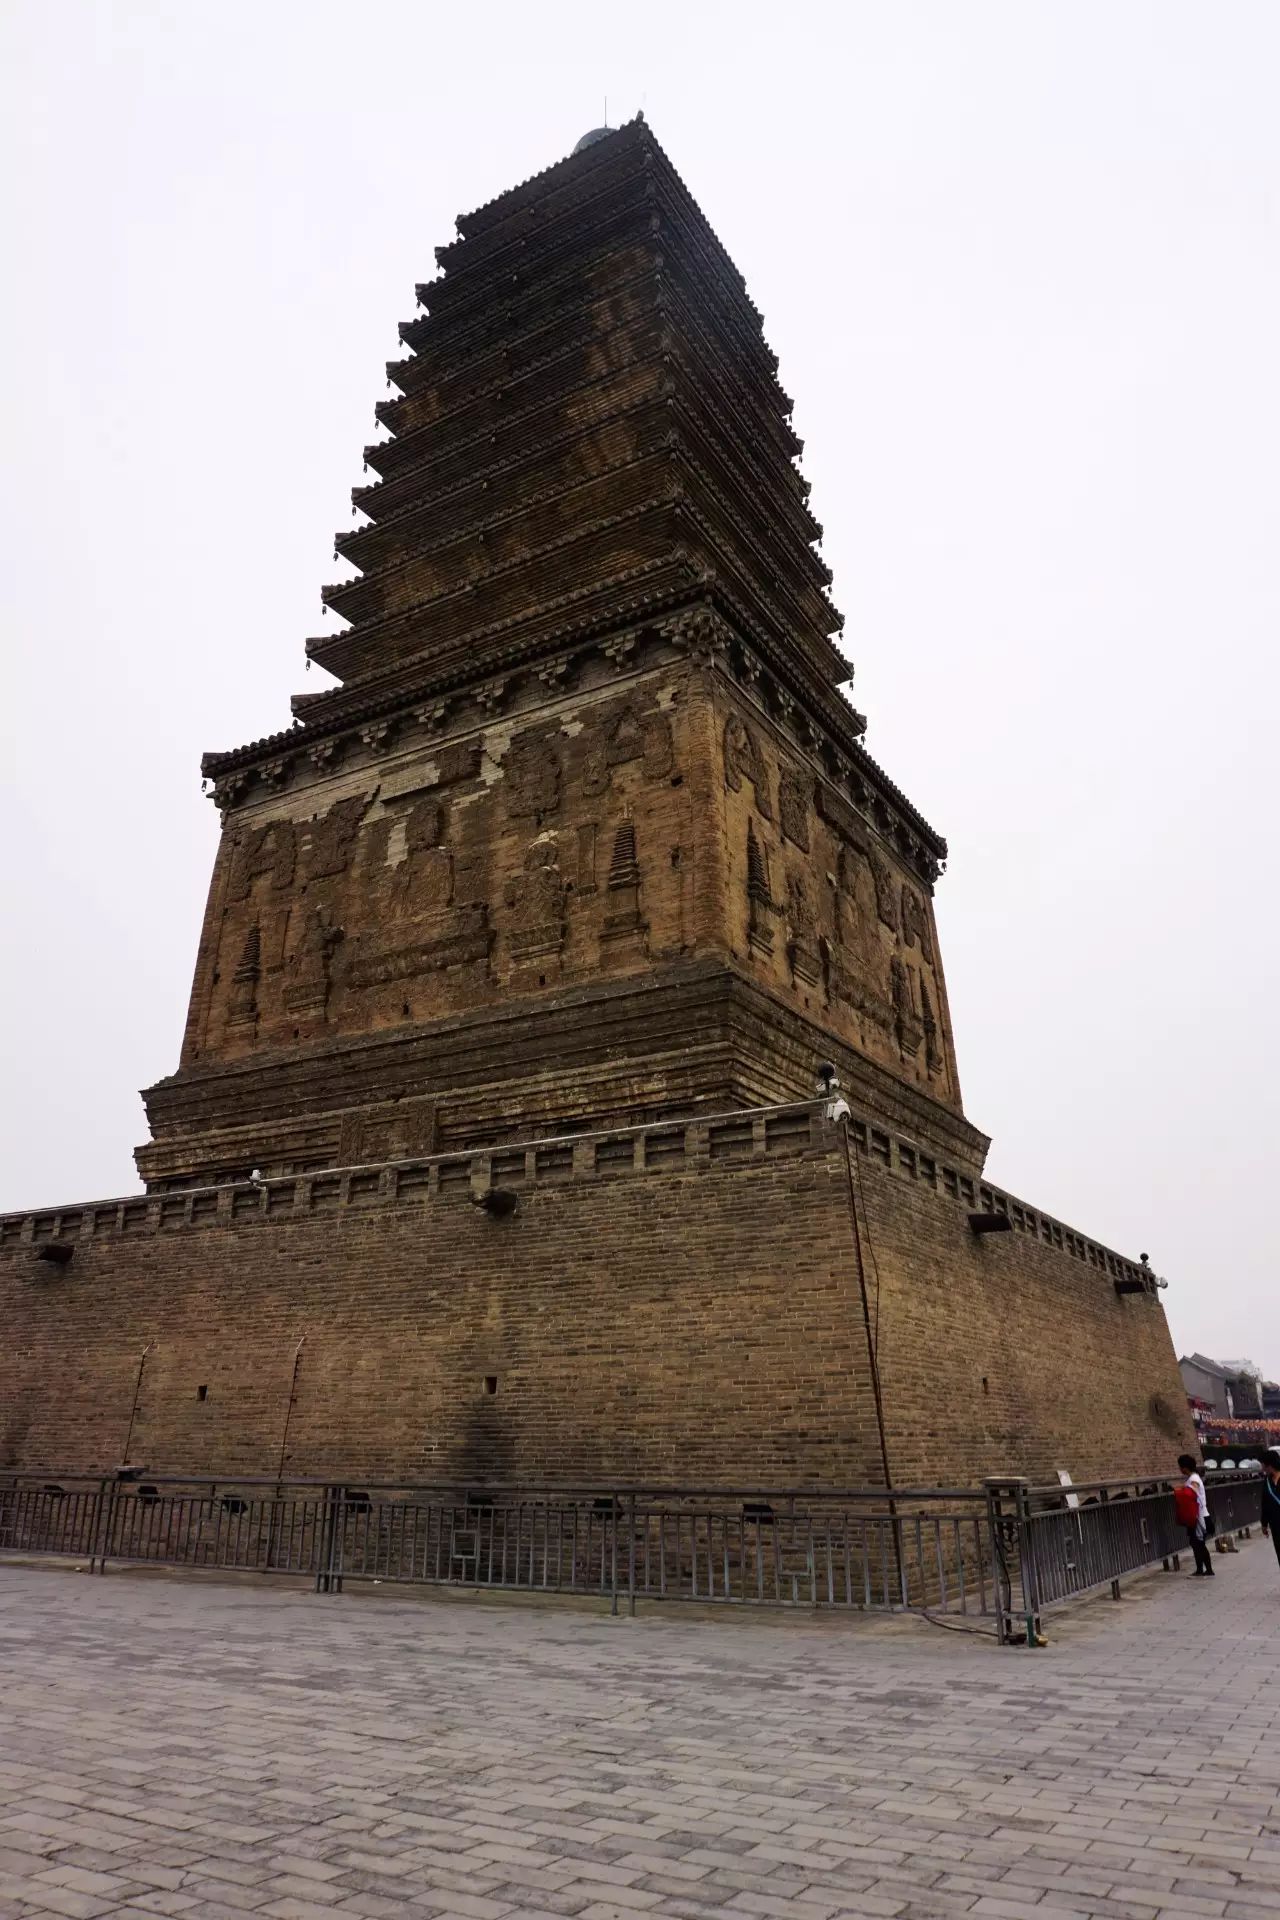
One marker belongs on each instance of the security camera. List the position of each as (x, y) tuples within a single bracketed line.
[(836, 1108)]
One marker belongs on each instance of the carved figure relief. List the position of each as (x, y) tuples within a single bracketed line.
[(536, 898), (856, 971), (744, 761), (915, 924), (332, 837), (532, 768), (795, 792), (242, 1001), (423, 881), (761, 910), (309, 965), (272, 850), (631, 736), (802, 931)]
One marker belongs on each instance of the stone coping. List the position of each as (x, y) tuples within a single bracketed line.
[(724, 1141)]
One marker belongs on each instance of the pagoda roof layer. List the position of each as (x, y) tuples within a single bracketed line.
[(597, 295)]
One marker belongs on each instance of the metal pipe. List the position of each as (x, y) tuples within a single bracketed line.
[(133, 1411), (288, 1412)]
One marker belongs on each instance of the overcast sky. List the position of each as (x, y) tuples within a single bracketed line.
[(1020, 263)]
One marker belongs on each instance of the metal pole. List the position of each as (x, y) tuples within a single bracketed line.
[(874, 1360), (133, 1411), (284, 1443), (288, 1412)]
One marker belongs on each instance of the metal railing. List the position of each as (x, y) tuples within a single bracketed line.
[(1057, 1544), (1002, 1554)]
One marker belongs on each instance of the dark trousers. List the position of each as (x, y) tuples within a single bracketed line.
[(1275, 1541), (1200, 1548)]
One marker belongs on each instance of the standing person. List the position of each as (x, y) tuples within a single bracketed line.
[(1191, 1505), (1271, 1496)]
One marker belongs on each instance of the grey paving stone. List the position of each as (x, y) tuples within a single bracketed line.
[(213, 1752)]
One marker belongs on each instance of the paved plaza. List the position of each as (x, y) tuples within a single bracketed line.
[(173, 1746)]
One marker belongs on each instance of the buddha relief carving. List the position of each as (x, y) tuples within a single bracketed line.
[(310, 963), (802, 930), (536, 899), (423, 882)]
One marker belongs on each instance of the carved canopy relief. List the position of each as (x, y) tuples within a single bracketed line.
[(621, 738), (744, 761)]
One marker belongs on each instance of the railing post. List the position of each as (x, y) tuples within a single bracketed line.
[(1030, 1576), (1008, 1520), (109, 1511), (327, 1576), (613, 1555), (631, 1556)]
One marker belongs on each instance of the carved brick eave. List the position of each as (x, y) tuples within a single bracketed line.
[(377, 724), (443, 620), (443, 360), (629, 215), (492, 324), (493, 332), (686, 326), (592, 162), (361, 600), (402, 453), (399, 522), (402, 537), (351, 655)]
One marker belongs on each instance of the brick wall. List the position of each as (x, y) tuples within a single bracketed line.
[(676, 1303)]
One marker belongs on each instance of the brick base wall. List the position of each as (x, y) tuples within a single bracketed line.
[(679, 1304)]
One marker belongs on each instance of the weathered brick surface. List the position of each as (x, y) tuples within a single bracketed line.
[(699, 1318)]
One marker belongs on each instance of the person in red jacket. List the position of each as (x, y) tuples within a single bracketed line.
[(1191, 1505)]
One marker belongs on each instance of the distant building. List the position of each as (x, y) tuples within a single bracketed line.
[(1227, 1391), (1207, 1383), (1246, 1392)]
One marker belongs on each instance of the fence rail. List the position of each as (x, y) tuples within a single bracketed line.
[(1002, 1554)]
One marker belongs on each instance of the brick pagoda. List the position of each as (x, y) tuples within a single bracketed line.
[(494, 1152), (586, 833)]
